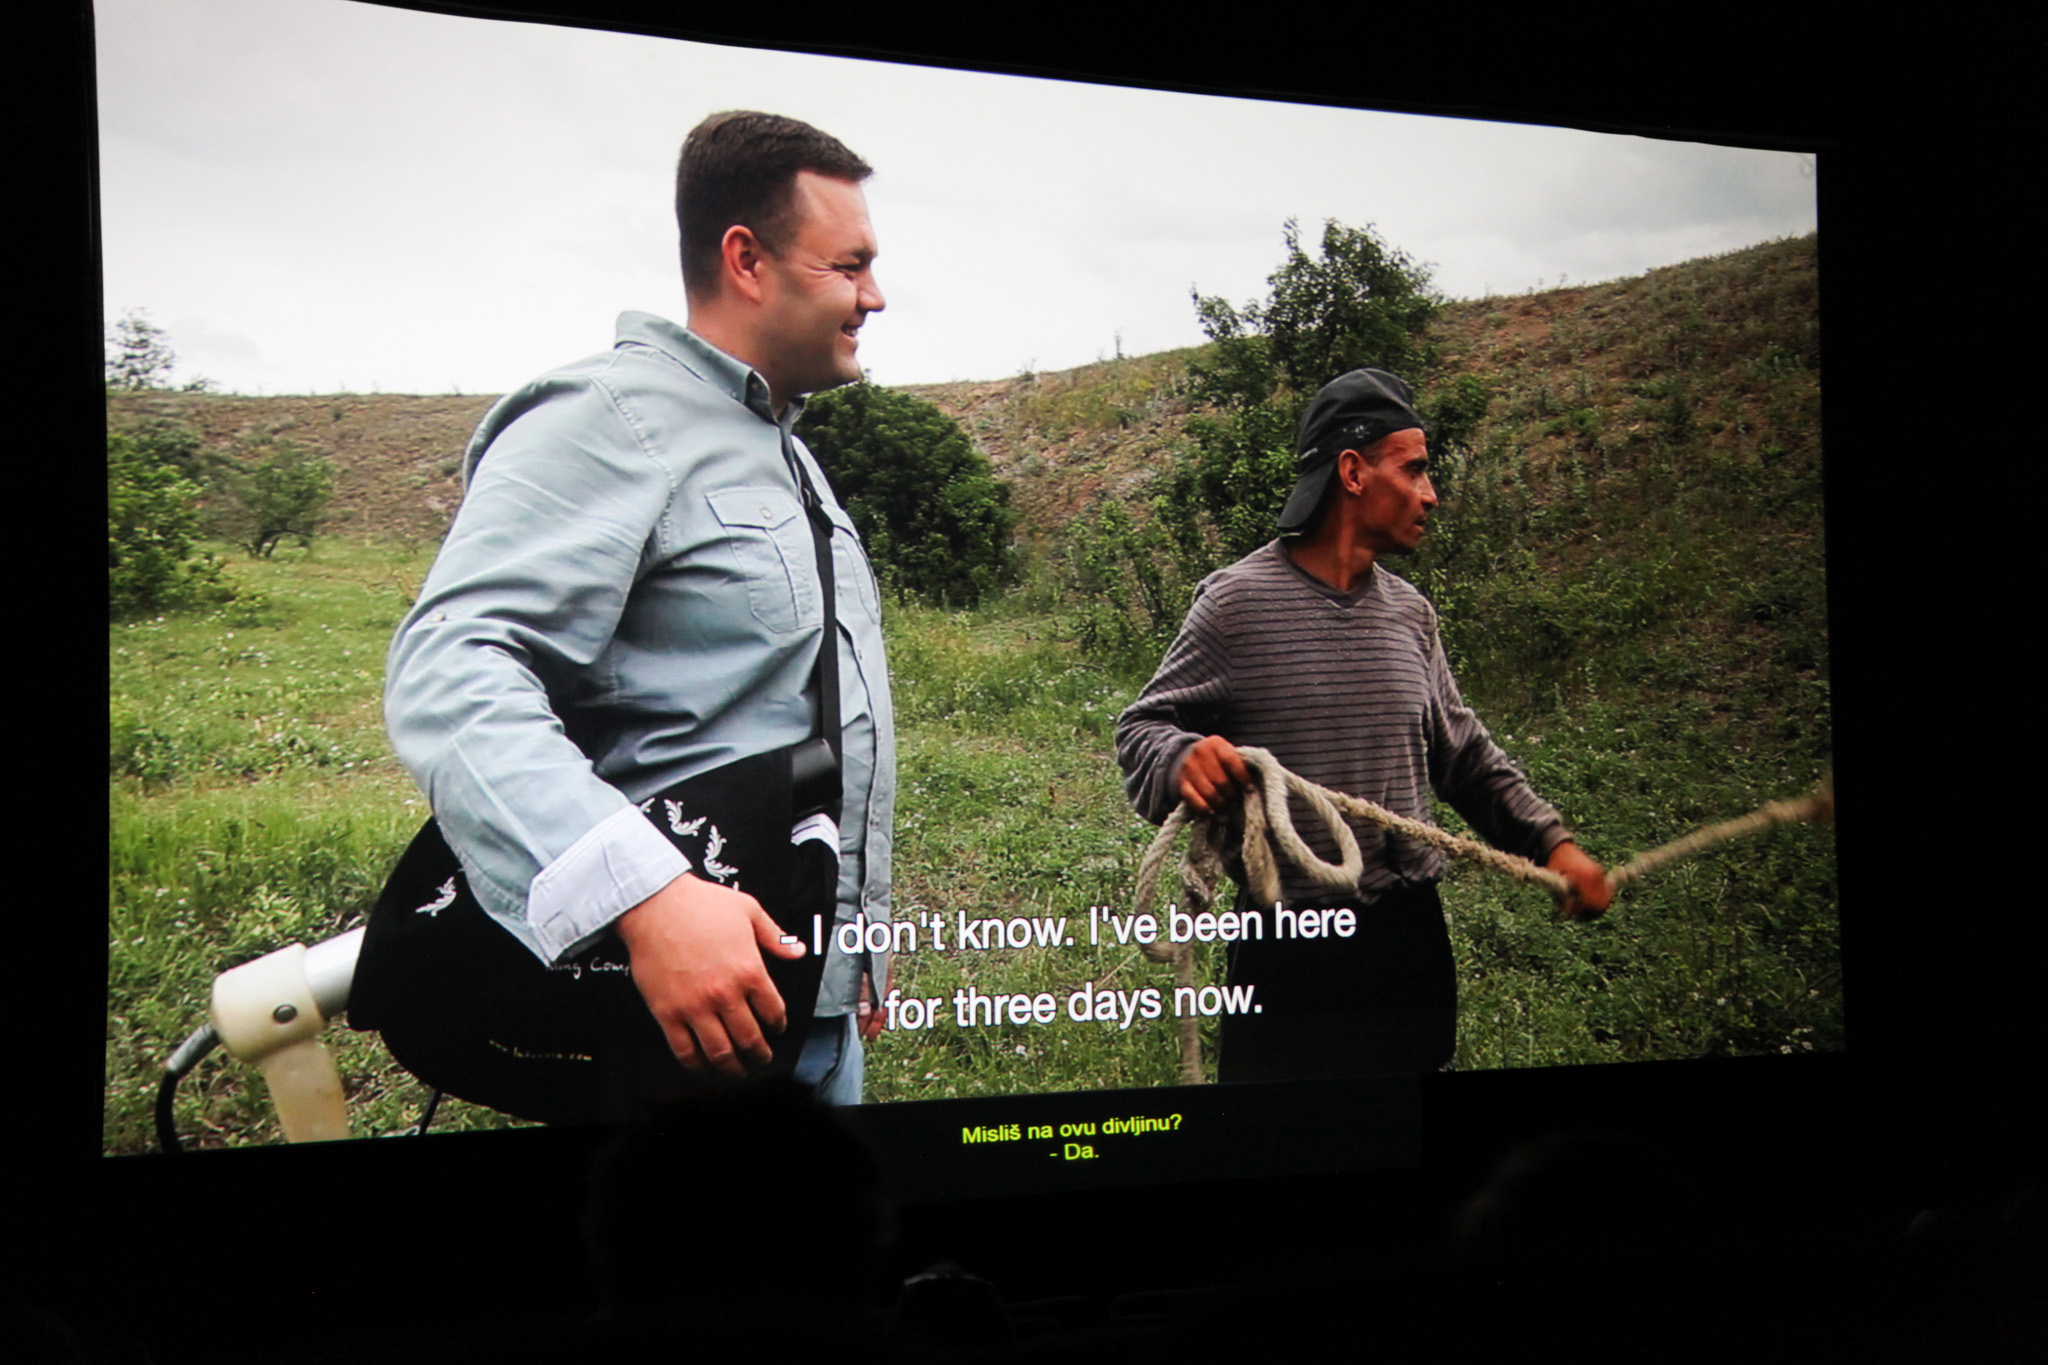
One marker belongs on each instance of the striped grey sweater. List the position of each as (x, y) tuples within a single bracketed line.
[(1350, 690)]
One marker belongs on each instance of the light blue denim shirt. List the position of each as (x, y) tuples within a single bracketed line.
[(629, 597)]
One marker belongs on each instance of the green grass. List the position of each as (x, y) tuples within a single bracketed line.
[(215, 877), (253, 803), (287, 683), (1009, 806)]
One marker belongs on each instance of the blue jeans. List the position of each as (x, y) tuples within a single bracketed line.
[(834, 1061)]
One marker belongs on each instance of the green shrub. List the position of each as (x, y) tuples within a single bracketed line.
[(283, 494), (936, 522), (1128, 585), (152, 519)]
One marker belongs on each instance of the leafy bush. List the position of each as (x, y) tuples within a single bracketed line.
[(1129, 588), (152, 518), (936, 522), (1362, 302), (169, 443), (283, 494)]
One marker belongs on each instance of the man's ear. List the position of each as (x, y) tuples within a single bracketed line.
[(1351, 469), (741, 258)]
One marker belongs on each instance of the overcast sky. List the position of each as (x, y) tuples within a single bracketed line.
[(314, 196)]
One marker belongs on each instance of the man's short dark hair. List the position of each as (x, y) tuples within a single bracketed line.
[(740, 168)]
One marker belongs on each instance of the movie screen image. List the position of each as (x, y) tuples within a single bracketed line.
[(333, 235)]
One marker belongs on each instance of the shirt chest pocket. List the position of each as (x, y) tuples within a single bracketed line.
[(853, 581), (768, 546)]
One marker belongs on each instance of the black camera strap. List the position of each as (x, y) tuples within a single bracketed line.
[(826, 676), (818, 783)]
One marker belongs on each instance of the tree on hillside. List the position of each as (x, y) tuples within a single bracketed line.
[(139, 356), (284, 493), (1361, 301), (936, 522)]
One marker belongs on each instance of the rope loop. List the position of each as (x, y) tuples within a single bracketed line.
[(1263, 820), (1268, 835)]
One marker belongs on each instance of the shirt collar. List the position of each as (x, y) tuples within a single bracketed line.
[(734, 378), (1360, 589)]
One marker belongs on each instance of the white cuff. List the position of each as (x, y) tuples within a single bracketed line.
[(618, 863)]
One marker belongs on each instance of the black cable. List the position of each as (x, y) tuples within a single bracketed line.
[(203, 1040), (166, 1133), (427, 1115)]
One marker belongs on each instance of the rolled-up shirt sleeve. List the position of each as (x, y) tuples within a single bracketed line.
[(562, 509)]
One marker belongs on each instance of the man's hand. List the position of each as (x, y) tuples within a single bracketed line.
[(1213, 774), (1590, 894), (696, 948), (872, 1021)]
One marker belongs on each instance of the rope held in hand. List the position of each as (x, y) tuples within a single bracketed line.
[(1269, 824), (1817, 805)]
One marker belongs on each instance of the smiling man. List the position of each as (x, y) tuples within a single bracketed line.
[(630, 598), (1308, 647)]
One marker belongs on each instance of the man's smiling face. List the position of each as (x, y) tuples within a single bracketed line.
[(819, 289)]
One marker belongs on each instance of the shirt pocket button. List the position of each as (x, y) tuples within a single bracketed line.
[(765, 535)]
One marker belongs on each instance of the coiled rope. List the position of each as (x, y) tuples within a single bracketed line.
[(1269, 835)]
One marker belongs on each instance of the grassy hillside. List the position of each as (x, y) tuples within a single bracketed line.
[(1720, 354), (397, 457), (1628, 567)]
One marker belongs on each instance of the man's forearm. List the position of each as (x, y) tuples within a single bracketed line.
[(1151, 753), (527, 591)]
